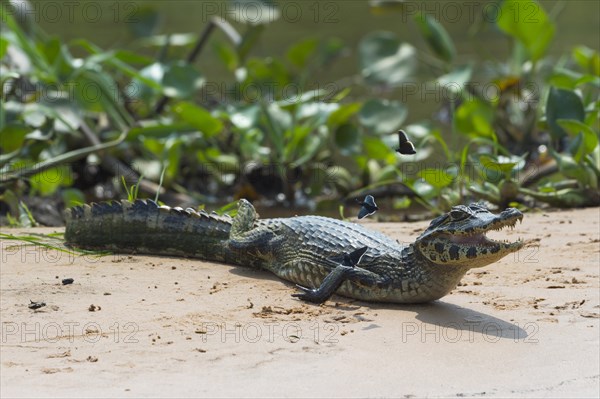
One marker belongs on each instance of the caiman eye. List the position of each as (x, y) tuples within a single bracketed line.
[(458, 214)]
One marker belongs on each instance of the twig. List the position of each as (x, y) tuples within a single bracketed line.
[(60, 159)]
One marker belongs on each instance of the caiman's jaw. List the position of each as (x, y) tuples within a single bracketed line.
[(459, 237)]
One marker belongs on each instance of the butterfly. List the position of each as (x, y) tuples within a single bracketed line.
[(350, 259), (406, 147), (368, 207)]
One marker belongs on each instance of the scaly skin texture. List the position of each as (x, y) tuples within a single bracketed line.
[(303, 249)]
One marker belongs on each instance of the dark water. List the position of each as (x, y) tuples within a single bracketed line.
[(108, 24), (106, 21)]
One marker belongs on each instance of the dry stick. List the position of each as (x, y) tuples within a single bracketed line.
[(215, 22)]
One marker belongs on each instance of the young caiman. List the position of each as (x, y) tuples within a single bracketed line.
[(326, 255)]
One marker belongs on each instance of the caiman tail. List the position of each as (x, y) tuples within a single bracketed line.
[(144, 227)]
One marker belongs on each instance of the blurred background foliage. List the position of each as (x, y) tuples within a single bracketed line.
[(259, 103)]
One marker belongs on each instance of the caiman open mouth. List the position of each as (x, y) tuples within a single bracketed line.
[(478, 237)]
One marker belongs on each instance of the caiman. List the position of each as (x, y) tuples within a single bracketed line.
[(321, 255)]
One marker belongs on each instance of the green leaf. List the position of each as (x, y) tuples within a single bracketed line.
[(131, 58), (249, 39), (340, 177), (347, 139), (498, 165), (268, 71), (173, 158), (343, 113), (456, 81), (199, 118), (487, 191), (388, 173), (570, 168), (436, 36), (438, 178), (330, 49), (148, 82), (3, 47), (562, 104), (402, 203), (72, 197), (23, 41), (570, 80), (566, 198), (181, 80), (588, 59), (385, 60), (245, 117), (375, 148), (299, 53), (48, 181), (12, 136), (587, 138), (102, 97), (526, 21), (297, 140), (423, 188), (474, 118), (382, 116), (227, 55), (311, 149)]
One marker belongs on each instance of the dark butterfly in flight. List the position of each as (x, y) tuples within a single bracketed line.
[(350, 259), (368, 207), (406, 147)]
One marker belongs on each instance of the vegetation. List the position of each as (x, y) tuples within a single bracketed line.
[(78, 122)]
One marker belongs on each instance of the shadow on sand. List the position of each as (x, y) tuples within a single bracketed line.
[(442, 315)]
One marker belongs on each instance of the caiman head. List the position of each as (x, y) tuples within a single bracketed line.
[(458, 238)]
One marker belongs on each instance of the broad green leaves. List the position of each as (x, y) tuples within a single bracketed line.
[(585, 140), (47, 182), (12, 136), (181, 80), (456, 80), (494, 168), (474, 118), (526, 21), (347, 139), (300, 52), (199, 118), (437, 178), (588, 59), (384, 60), (562, 104), (382, 116), (175, 79), (436, 36)]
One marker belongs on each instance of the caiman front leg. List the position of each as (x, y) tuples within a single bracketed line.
[(333, 280)]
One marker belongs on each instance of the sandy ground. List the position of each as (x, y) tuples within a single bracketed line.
[(130, 326)]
